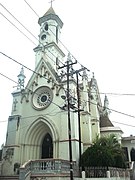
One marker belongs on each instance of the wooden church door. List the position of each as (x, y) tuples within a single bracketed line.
[(47, 147)]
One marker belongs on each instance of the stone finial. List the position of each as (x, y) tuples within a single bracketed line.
[(93, 82), (106, 102), (85, 76), (21, 78), (106, 110)]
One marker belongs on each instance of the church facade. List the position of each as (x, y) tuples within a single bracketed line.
[(38, 127)]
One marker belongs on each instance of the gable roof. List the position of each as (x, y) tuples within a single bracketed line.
[(105, 122)]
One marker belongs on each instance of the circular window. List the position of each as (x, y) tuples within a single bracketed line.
[(43, 37), (42, 97)]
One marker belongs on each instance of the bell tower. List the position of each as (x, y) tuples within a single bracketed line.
[(49, 46)]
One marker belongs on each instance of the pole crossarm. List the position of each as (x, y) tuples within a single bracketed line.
[(67, 65)]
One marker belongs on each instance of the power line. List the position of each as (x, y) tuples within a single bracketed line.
[(8, 78), (26, 30), (48, 50), (118, 94), (22, 65), (31, 8), (41, 115), (61, 111), (47, 79), (25, 87), (17, 28), (90, 102), (123, 124), (111, 93), (17, 20), (29, 31), (49, 57), (54, 35), (115, 111)]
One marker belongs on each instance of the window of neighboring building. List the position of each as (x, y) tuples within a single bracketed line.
[(132, 154)]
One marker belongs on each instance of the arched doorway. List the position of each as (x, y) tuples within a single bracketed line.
[(47, 147)]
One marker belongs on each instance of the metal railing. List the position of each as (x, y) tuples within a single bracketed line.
[(98, 172)]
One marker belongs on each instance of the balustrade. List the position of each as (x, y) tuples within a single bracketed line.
[(46, 166)]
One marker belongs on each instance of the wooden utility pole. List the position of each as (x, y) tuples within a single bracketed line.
[(78, 110), (69, 121)]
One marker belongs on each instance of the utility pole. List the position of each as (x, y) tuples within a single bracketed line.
[(79, 123), (78, 110), (69, 121)]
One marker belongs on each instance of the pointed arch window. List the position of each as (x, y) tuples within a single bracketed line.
[(46, 27), (57, 34)]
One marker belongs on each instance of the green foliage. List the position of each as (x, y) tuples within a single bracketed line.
[(105, 151)]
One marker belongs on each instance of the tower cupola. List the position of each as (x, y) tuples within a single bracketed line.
[(49, 47), (51, 25)]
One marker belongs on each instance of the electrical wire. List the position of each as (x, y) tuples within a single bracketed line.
[(17, 28), (58, 38), (22, 65), (31, 8), (51, 59), (113, 94), (24, 33), (8, 78), (53, 54), (47, 79), (26, 88), (90, 102), (26, 125), (18, 21), (41, 115), (26, 30), (49, 51), (25, 67), (62, 111), (132, 116), (118, 122)]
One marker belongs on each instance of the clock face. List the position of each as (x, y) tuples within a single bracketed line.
[(42, 98)]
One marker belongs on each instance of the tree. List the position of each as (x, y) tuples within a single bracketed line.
[(105, 151)]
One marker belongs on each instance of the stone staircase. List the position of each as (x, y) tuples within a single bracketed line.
[(51, 169)]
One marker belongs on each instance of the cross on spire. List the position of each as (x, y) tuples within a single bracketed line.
[(51, 2)]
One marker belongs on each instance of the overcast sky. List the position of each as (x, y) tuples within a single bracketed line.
[(99, 33)]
